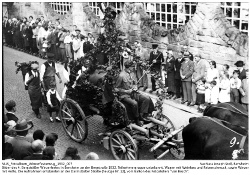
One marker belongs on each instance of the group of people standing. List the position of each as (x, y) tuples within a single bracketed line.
[(39, 37), (193, 79)]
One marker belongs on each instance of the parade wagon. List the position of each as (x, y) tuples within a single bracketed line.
[(122, 136)]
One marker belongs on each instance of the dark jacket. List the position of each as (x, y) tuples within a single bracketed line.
[(11, 116), (177, 65), (242, 74), (159, 59), (87, 47), (34, 157), (21, 147)]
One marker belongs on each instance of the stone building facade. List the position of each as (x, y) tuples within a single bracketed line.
[(208, 32)]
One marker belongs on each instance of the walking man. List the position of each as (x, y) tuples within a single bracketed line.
[(48, 72), (32, 80)]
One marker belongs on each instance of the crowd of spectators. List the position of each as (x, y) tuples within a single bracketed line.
[(39, 37), (20, 144), (202, 83)]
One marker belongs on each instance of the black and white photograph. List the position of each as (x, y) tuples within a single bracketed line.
[(159, 83)]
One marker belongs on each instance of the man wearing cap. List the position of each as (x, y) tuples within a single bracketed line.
[(185, 49), (155, 59), (186, 71), (37, 147), (139, 105), (239, 65), (78, 33), (32, 80), (11, 108), (200, 70), (48, 71), (21, 147)]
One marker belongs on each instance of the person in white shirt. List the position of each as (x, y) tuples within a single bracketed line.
[(32, 80), (76, 47), (53, 99), (68, 42), (235, 84), (224, 85), (214, 92)]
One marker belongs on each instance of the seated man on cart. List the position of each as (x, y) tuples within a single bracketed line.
[(139, 106)]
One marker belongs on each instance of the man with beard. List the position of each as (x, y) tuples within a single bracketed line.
[(48, 72)]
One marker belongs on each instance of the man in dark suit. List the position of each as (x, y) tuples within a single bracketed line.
[(37, 147), (11, 108), (186, 72), (52, 39), (156, 59), (21, 147), (177, 75), (240, 65)]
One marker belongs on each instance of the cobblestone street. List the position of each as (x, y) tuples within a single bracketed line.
[(14, 90)]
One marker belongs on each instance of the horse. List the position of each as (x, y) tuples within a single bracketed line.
[(221, 134)]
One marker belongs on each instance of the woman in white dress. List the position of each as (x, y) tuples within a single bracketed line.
[(212, 74), (224, 85), (76, 47)]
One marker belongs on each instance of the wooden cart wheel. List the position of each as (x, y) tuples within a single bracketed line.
[(168, 128), (73, 120), (177, 153), (123, 146)]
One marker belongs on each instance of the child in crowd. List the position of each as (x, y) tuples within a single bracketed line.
[(244, 91), (53, 99), (214, 92), (235, 84), (200, 99)]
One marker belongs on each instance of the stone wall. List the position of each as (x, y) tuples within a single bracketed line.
[(208, 33)]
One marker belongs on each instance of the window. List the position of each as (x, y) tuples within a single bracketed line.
[(237, 14), (171, 15), (61, 7), (117, 5)]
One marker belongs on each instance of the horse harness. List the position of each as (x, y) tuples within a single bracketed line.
[(219, 122)]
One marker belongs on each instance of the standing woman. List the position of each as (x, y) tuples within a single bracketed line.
[(212, 75), (169, 68), (186, 72), (224, 95), (32, 80), (76, 47)]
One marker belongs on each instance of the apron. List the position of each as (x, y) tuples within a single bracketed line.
[(54, 102), (35, 94)]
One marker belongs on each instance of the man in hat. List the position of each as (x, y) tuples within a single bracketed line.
[(78, 33), (185, 49), (139, 105), (37, 147), (49, 71), (21, 147), (32, 80), (239, 65), (200, 70), (155, 59), (11, 108), (186, 71)]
